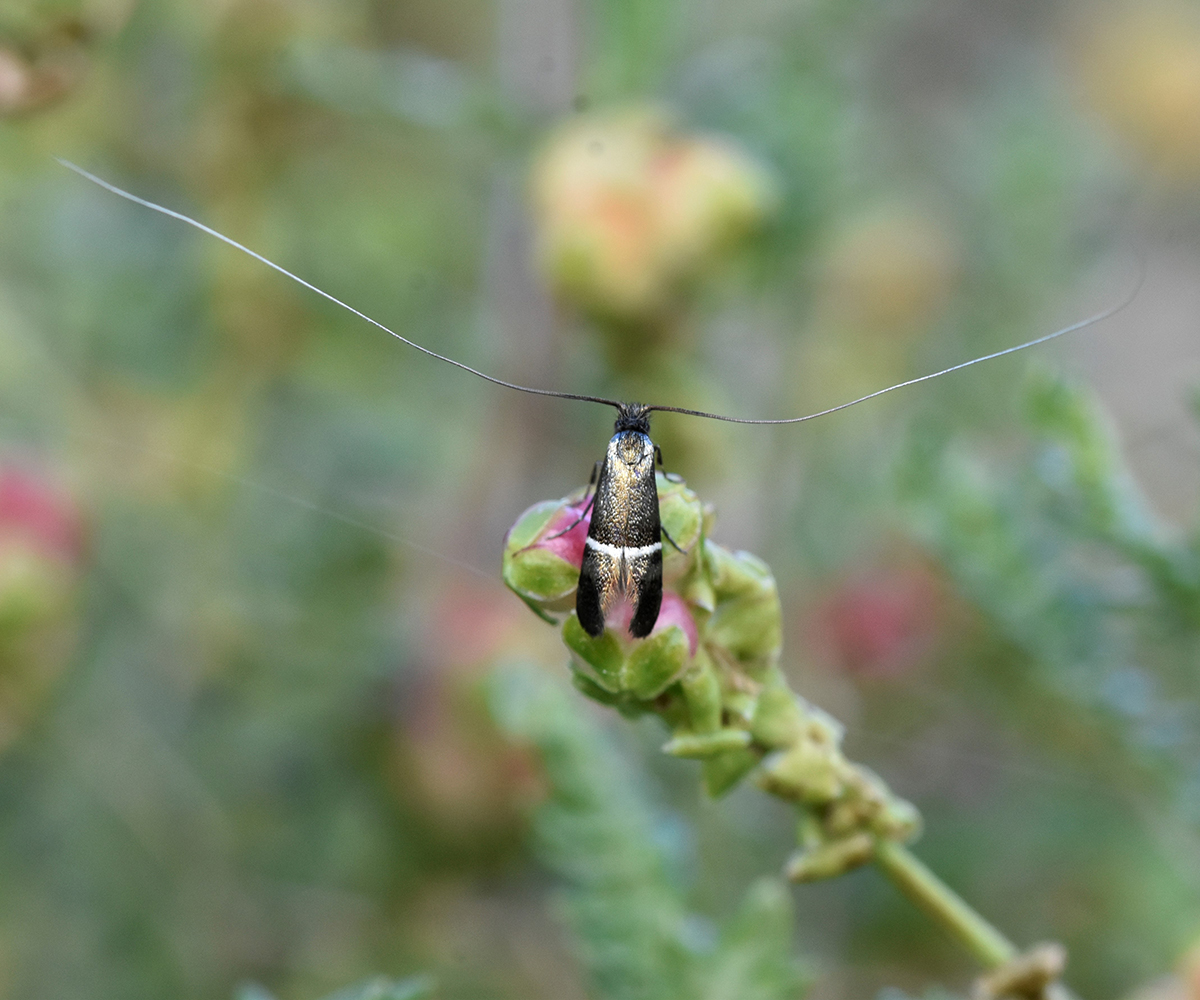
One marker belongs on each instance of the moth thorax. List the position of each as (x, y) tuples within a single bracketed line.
[(632, 447)]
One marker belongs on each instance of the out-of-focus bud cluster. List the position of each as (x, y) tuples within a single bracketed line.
[(710, 669), (41, 543), (885, 276), (45, 69), (888, 269), (630, 210), (1141, 71), (447, 755)]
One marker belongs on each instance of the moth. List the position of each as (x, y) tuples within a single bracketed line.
[(623, 554)]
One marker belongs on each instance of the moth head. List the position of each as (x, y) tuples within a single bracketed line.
[(633, 417)]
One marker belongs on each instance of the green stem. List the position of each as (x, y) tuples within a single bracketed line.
[(943, 905)]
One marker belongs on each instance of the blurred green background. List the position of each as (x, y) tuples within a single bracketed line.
[(249, 545)]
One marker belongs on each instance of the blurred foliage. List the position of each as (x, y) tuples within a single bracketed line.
[(1078, 576), (245, 740), (596, 831), (413, 988)]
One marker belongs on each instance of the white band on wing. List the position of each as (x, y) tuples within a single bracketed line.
[(616, 551)]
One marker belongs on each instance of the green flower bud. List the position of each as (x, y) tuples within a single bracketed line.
[(898, 821), (601, 659), (852, 813), (541, 570), (643, 671), (831, 859), (807, 773), (702, 694), (682, 517), (778, 718), (656, 662), (747, 620)]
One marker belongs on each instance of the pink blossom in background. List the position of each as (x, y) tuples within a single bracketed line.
[(881, 624), (36, 512)]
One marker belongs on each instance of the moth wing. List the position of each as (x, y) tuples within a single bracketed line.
[(588, 604), (648, 586), (646, 571), (595, 573)]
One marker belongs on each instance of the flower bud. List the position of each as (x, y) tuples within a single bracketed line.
[(831, 859), (641, 668), (778, 718), (629, 209), (723, 772), (682, 516), (702, 695), (1029, 974), (707, 744), (543, 551), (891, 269), (747, 620), (806, 772)]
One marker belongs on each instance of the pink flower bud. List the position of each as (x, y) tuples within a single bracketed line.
[(570, 544), (675, 611)]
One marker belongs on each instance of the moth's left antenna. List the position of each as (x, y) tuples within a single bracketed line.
[(171, 213)]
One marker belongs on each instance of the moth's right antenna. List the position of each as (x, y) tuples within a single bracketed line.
[(1105, 314), (171, 213)]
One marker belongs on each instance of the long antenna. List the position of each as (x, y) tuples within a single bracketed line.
[(1110, 311), (162, 210)]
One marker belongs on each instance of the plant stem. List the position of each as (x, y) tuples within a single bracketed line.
[(943, 905)]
